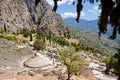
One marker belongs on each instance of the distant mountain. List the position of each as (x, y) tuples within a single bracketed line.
[(72, 20), (88, 25), (84, 24)]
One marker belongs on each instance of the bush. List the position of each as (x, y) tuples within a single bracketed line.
[(62, 41), (1, 31), (25, 32), (32, 31), (12, 38), (78, 47), (95, 53), (39, 45), (40, 35), (72, 60), (110, 62), (24, 41)]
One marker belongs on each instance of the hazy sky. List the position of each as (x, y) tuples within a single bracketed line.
[(66, 9)]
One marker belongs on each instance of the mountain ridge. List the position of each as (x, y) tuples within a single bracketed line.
[(83, 24), (91, 25)]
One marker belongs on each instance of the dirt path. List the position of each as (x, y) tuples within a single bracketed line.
[(27, 77)]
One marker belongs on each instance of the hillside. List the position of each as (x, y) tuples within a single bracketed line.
[(36, 44), (91, 25), (90, 40), (84, 24), (19, 14)]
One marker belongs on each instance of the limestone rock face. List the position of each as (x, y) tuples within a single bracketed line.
[(14, 15), (12, 57), (18, 14)]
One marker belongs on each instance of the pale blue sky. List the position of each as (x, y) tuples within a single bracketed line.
[(66, 9)]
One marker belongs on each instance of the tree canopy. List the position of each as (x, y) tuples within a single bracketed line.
[(72, 60), (110, 10)]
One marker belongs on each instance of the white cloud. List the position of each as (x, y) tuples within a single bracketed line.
[(68, 2), (68, 14), (71, 14), (50, 2), (62, 2), (95, 9)]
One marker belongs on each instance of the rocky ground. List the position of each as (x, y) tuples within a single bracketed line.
[(27, 77), (12, 57), (97, 67), (20, 62)]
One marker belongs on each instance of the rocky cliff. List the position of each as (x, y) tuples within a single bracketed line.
[(18, 14)]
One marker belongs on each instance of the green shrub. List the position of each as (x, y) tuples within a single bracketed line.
[(62, 41), (1, 36), (72, 60), (110, 62), (1, 31), (40, 35), (32, 31), (12, 38), (78, 47), (24, 41), (25, 32), (95, 53), (39, 45)]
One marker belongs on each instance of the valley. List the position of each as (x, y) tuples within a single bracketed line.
[(37, 44), (91, 26)]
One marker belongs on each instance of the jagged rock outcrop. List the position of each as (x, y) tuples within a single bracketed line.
[(18, 14)]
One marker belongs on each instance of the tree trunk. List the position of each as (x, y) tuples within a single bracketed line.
[(68, 76), (50, 42), (31, 39), (107, 71), (5, 29), (118, 77)]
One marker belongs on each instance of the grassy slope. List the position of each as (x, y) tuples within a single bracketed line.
[(90, 39)]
